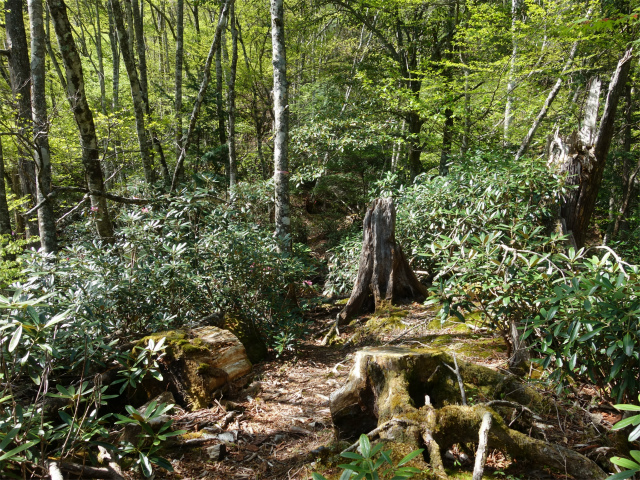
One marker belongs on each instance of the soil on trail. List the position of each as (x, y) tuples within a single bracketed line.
[(283, 425)]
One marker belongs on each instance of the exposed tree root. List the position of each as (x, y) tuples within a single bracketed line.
[(402, 396)]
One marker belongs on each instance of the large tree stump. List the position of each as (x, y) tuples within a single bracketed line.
[(384, 275), (408, 396)]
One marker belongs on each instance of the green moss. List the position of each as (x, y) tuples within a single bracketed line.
[(204, 369), (386, 319)]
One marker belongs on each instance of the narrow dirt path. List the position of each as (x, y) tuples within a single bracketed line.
[(282, 421)]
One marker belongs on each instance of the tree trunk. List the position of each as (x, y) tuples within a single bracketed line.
[(46, 220), (384, 275), (178, 77), (83, 117), (139, 106), (281, 113), (98, 33), (115, 56), (20, 79), (5, 218), (406, 396), (201, 93), (511, 84), (222, 132), (447, 140), (583, 161), (231, 101)]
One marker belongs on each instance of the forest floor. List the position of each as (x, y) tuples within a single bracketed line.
[(281, 429)]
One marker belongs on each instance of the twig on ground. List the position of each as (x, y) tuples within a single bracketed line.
[(456, 371), (481, 454)]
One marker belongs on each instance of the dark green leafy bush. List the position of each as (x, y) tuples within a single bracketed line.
[(486, 233)]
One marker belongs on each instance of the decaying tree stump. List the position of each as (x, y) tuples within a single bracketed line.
[(384, 275), (407, 396)]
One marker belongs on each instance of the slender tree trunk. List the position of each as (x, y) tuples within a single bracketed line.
[(511, 85), (231, 101), (46, 220), (139, 106), (103, 91), (447, 140), (414, 126), (20, 78), (178, 77), (52, 55), (201, 93), (281, 113), (5, 218), (115, 56), (83, 117), (222, 132), (141, 51), (628, 180)]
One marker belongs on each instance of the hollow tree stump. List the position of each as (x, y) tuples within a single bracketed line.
[(384, 275), (409, 397)]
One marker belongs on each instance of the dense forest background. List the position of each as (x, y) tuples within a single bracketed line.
[(149, 150)]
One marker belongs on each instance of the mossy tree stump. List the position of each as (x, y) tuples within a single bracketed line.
[(409, 397), (384, 275)]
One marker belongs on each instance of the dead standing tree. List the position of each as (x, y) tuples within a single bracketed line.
[(582, 155), (384, 275)]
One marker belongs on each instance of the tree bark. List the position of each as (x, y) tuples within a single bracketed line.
[(46, 220), (139, 106), (281, 139), (584, 163), (384, 275), (511, 84), (222, 131), (98, 33), (83, 117), (5, 218), (115, 60), (178, 77), (20, 79), (231, 101)]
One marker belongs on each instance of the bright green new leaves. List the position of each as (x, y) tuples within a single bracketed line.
[(364, 465)]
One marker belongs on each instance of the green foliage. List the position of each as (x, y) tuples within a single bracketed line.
[(10, 270), (364, 465), (632, 466), (154, 429), (486, 234)]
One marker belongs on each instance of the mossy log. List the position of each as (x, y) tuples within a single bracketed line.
[(409, 398), (198, 364), (384, 275)]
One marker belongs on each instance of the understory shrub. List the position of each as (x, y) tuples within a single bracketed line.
[(172, 264), (487, 236)]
